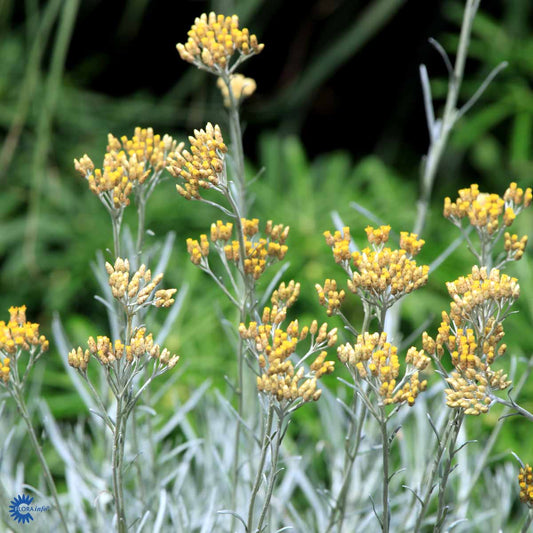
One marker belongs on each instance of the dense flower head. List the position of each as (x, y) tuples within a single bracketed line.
[(330, 296), (487, 212), (386, 275), (525, 482), (411, 243), (514, 245), (136, 291), (241, 88), (214, 39), (107, 353), (481, 294), (375, 360), (128, 163), (340, 244), (275, 348), (472, 333), (260, 252), (380, 275), (471, 389), (203, 166), (16, 335), (19, 334)]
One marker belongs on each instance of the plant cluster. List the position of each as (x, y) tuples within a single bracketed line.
[(280, 363)]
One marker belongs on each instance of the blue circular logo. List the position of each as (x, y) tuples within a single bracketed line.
[(19, 509)]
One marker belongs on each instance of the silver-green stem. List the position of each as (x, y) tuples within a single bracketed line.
[(351, 450), (16, 393), (141, 212), (116, 221), (236, 142), (528, 522), (276, 445), (430, 484), (449, 117), (385, 515), (261, 467), (442, 507), (118, 457)]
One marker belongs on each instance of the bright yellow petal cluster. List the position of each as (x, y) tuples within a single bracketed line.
[(136, 290), (261, 252), (4, 369), (340, 244), (525, 481), (274, 346), (375, 360), (481, 294), (221, 231), (381, 275), (20, 334), (127, 163), (15, 335), (107, 353), (471, 389), (203, 166), (213, 39), (241, 88), (198, 250), (486, 211), (330, 297), (411, 243), (377, 236), (472, 333), (514, 245), (384, 276)]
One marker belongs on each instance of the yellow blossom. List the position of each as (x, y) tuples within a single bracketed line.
[(107, 353), (203, 166), (525, 481), (280, 378), (128, 163), (374, 359), (214, 39), (136, 290)]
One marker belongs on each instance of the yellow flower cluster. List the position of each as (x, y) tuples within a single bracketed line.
[(241, 88), (525, 481), (382, 275), (411, 243), (472, 333), (273, 346), (221, 231), (135, 291), (198, 250), (260, 252), (203, 166), (490, 214), (376, 361), (107, 353), (127, 163), (18, 334), (213, 39), (514, 246), (329, 296), (480, 294), (4, 369), (340, 244), (471, 389)]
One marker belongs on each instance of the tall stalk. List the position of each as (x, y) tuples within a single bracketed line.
[(16, 393)]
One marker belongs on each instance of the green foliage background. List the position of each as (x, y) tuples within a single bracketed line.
[(51, 225)]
